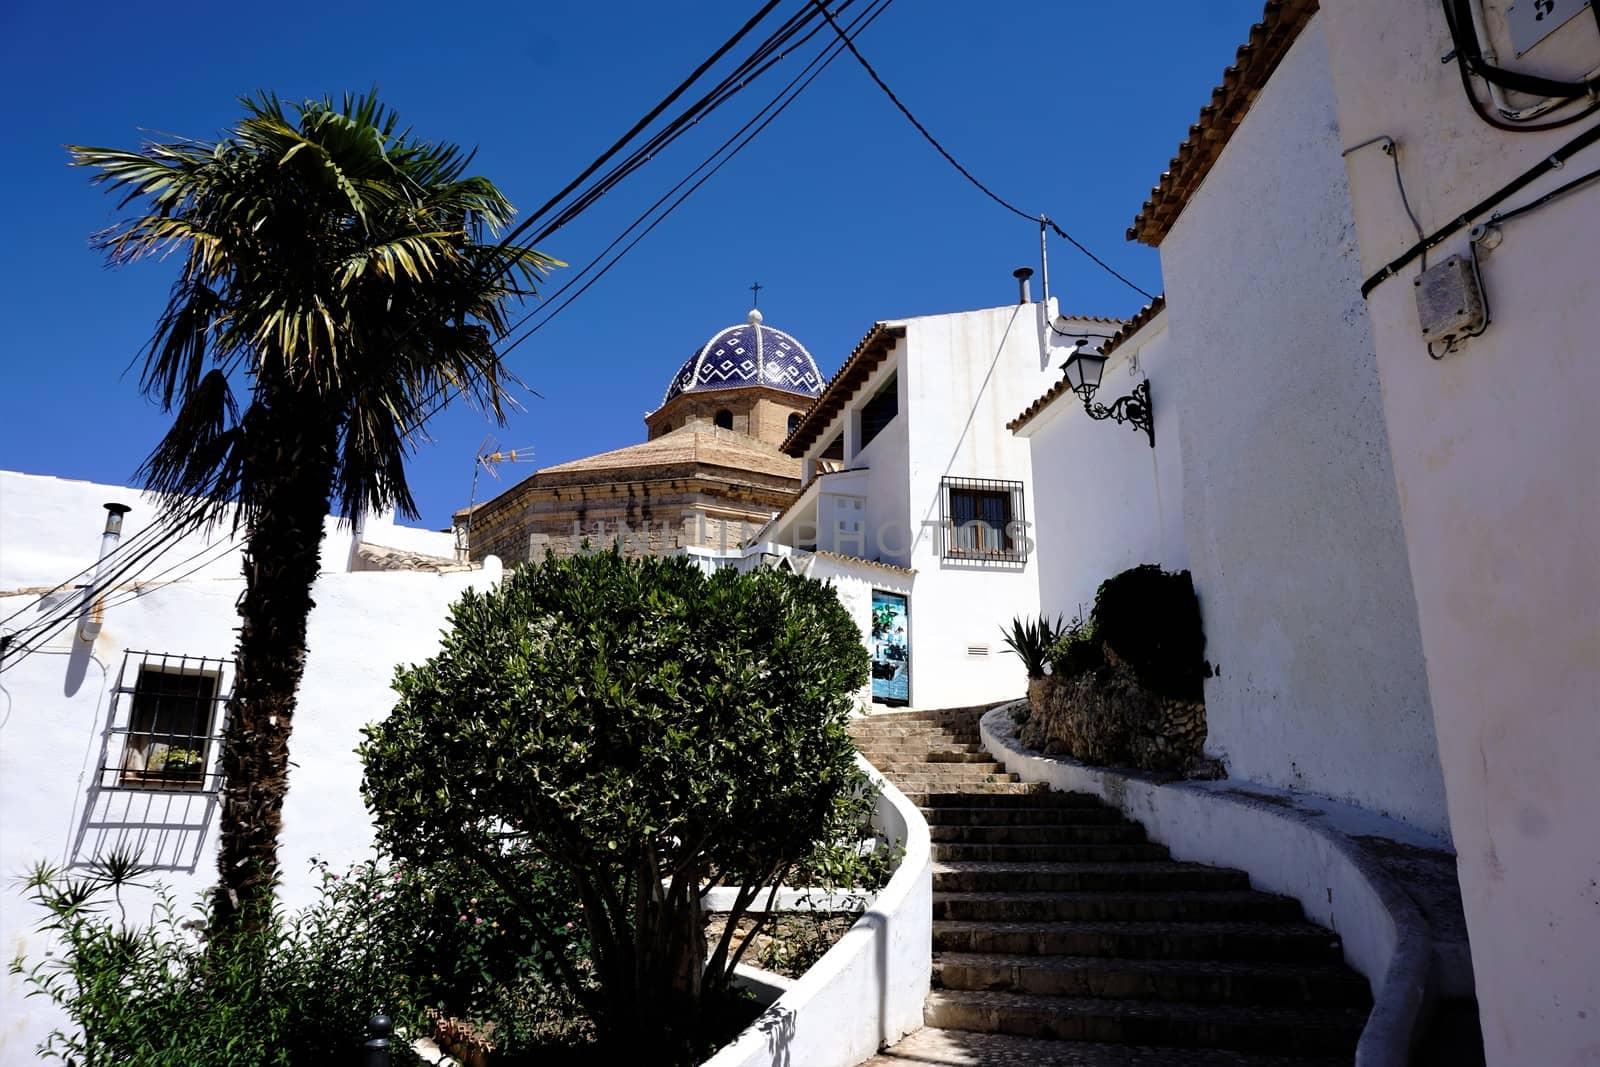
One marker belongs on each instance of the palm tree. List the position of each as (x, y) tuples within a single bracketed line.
[(335, 287)]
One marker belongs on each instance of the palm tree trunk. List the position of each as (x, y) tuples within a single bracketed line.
[(280, 564)]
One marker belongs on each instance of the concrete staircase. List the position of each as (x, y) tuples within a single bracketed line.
[(1062, 936)]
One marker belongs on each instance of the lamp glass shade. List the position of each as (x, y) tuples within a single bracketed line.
[(1083, 370)]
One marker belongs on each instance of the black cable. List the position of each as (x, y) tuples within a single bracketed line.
[(649, 117), (803, 79), (1469, 59), (965, 173), (1554, 161)]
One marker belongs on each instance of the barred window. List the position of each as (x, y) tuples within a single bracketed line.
[(984, 520), (168, 719)]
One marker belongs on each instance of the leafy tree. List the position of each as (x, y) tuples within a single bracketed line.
[(334, 286), (650, 730)]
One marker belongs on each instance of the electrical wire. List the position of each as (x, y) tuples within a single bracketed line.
[(1469, 58), (644, 122), (1391, 148), (965, 173), (759, 121), (1554, 161)]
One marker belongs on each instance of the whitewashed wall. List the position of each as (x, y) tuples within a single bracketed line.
[(54, 707), (1290, 507), (966, 376), (1495, 451), (1103, 499)]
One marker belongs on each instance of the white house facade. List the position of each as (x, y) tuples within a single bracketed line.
[(916, 497)]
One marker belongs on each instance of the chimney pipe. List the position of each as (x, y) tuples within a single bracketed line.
[(1022, 274), (89, 629)]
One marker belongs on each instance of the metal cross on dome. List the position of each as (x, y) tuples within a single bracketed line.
[(755, 291)]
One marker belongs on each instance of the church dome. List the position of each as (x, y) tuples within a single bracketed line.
[(745, 355)]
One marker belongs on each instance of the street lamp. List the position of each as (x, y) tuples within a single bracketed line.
[(1083, 372)]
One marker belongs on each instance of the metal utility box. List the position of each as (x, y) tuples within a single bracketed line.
[(1449, 300)]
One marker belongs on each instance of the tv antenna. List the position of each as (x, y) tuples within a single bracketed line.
[(490, 456)]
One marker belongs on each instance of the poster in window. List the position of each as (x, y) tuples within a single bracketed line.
[(891, 653)]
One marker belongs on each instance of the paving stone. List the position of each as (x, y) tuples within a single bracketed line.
[(932, 1047)]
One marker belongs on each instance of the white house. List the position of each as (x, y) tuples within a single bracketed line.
[(916, 497), (1494, 445), (108, 738)]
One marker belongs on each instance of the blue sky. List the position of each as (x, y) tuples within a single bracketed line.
[(839, 209)]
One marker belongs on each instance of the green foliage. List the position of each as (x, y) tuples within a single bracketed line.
[(1151, 619), (467, 943), (1031, 640), (295, 991), (1077, 650), (339, 262), (649, 732)]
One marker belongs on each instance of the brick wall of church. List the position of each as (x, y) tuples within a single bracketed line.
[(650, 517)]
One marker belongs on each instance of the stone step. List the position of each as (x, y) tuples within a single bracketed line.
[(929, 770), (946, 1048), (1042, 798), (1282, 1031), (1207, 981), (1182, 906), (1021, 815), (1283, 941), (980, 877), (933, 791), (1050, 833), (969, 754), (1116, 852), (917, 795)]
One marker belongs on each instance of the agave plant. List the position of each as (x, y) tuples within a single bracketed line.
[(1031, 639)]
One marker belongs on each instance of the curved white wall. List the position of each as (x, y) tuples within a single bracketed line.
[(868, 991), (1298, 852)]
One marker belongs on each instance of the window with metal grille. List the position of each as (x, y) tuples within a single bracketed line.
[(165, 723), (879, 411), (984, 520)]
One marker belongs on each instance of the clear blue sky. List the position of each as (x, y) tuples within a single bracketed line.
[(839, 209)]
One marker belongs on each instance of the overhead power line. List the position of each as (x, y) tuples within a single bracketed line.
[(965, 173)]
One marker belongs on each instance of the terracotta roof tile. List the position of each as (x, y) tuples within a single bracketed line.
[(1270, 40), (1116, 341)]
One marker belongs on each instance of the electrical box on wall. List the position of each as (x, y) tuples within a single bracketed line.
[(1450, 301), (1531, 21)]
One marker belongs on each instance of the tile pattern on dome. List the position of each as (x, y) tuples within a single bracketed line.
[(748, 354)]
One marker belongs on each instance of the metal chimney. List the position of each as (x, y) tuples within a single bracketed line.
[(110, 538), (1022, 274)]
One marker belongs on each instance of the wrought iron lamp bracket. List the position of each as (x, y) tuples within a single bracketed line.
[(1133, 408)]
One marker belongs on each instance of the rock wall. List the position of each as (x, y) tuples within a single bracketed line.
[(1106, 717)]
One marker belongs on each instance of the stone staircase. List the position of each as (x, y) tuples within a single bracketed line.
[(1062, 936)]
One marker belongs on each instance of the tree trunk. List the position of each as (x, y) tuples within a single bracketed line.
[(280, 563)]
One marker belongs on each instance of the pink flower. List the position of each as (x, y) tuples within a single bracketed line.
[(463, 918), (395, 877), (569, 926), (480, 921)]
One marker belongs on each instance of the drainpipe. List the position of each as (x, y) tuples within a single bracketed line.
[(110, 538)]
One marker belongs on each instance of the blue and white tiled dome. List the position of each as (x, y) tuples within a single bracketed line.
[(745, 355)]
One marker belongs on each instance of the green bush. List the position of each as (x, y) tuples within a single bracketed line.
[(649, 731), (465, 941), (1031, 641), (295, 992), (1076, 650), (1150, 618)]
